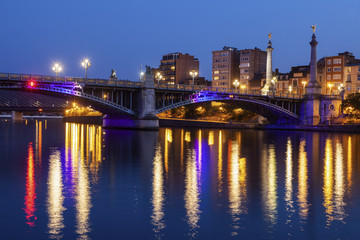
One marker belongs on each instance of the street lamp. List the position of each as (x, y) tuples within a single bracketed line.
[(86, 64), (273, 82), (158, 76), (290, 89), (141, 76), (57, 69), (193, 73), (304, 83), (330, 86), (236, 83)]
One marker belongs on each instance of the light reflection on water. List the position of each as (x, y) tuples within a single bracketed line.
[(245, 182)]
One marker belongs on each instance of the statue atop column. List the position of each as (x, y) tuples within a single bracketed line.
[(113, 75)]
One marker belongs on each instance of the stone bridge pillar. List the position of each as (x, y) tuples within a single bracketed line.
[(145, 109)]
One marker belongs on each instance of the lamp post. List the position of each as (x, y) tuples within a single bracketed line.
[(141, 76), (304, 83), (243, 87), (193, 73), (330, 86), (159, 77), (57, 69), (236, 83), (86, 64), (273, 82)]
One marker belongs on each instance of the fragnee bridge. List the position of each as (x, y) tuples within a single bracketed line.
[(135, 104)]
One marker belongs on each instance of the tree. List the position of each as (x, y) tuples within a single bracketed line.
[(351, 105)]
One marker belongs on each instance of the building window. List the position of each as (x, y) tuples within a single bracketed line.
[(245, 65), (216, 72), (337, 69), (329, 62), (224, 71), (329, 69), (337, 76), (245, 59), (358, 77), (359, 69), (337, 61), (328, 77), (349, 78), (216, 78)]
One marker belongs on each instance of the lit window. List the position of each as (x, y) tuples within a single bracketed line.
[(337, 76), (216, 78), (216, 72)]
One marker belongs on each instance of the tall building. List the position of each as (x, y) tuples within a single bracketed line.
[(334, 70), (252, 63), (225, 67), (352, 78), (175, 68)]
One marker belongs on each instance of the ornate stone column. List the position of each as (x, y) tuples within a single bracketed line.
[(268, 86)]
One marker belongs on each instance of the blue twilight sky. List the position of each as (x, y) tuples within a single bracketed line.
[(123, 34)]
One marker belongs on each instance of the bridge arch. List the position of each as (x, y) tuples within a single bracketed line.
[(99, 104), (257, 104)]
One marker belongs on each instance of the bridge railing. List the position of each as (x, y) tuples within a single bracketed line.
[(137, 84), (54, 79)]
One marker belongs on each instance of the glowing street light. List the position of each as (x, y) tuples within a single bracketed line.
[(86, 64), (273, 82), (304, 83), (236, 83), (330, 86), (193, 73), (290, 89), (141, 76), (158, 77), (57, 69)]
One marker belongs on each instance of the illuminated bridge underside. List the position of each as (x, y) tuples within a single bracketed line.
[(56, 99), (261, 105)]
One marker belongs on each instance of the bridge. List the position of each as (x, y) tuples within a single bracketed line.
[(135, 104)]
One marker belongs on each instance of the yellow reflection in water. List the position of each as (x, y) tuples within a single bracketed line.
[(339, 187), (199, 152), (289, 178), (220, 162), (187, 137), (38, 140), (303, 182), (349, 165), (192, 199), (237, 185), (270, 185), (168, 139), (211, 138), (158, 192), (55, 196), (328, 180), (83, 152)]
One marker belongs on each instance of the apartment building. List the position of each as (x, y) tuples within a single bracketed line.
[(175, 68), (225, 67)]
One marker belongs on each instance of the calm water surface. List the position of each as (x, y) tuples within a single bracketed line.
[(76, 181)]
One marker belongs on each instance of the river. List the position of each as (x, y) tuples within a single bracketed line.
[(76, 181)]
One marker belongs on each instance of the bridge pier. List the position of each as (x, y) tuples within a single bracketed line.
[(145, 109), (16, 116)]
